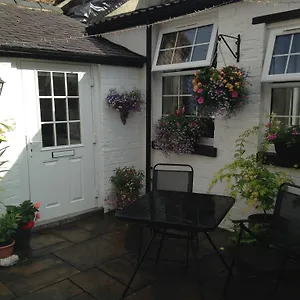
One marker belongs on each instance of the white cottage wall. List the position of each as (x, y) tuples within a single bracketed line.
[(119, 145), (14, 184)]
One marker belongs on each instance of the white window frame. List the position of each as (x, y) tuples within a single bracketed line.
[(186, 65), (266, 77)]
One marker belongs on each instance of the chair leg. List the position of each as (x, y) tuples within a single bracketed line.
[(216, 250), (187, 250), (138, 266), (230, 270), (279, 277), (140, 243), (160, 247)]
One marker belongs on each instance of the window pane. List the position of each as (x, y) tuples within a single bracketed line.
[(44, 79), (182, 55), (165, 57), (72, 83), (59, 84), (47, 135), (186, 37), (75, 137), (46, 110), (200, 53), (169, 105), (296, 43), (294, 64), (186, 86), (204, 34), (74, 109), (281, 98), (62, 134), (282, 44), (60, 110), (189, 104), (170, 85), (168, 40), (278, 65)]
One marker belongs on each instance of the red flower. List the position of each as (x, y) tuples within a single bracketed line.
[(28, 225)]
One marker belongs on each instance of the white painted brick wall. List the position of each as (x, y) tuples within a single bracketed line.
[(120, 145)]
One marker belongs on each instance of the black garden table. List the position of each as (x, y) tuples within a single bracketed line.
[(189, 213)]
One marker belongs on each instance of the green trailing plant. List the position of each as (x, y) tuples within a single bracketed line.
[(8, 226), (248, 177), (127, 183)]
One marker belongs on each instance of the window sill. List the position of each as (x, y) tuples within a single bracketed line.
[(204, 150), (271, 158)]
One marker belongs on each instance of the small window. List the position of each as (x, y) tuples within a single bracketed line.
[(177, 92), (59, 108), (285, 103), (185, 49), (282, 62)]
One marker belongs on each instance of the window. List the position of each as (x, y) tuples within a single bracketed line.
[(282, 62), (188, 48), (285, 103), (59, 107), (177, 92)]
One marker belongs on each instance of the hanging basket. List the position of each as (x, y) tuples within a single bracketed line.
[(124, 115)]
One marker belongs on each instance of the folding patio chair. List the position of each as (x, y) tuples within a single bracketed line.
[(282, 236), (177, 178)]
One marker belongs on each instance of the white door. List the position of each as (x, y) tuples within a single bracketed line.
[(60, 137)]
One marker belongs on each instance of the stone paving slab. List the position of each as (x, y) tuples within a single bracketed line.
[(29, 277), (44, 239), (5, 293), (83, 296), (73, 234), (91, 253), (121, 270), (60, 291), (99, 285)]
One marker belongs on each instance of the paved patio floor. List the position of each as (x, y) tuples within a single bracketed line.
[(93, 258)]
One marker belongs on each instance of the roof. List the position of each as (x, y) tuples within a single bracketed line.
[(152, 14), (27, 32)]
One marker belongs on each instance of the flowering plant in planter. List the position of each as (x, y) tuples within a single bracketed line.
[(220, 91), (127, 184), (178, 133), (125, 101), (28, 213)]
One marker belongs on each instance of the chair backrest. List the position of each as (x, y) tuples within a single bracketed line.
[(173, 177), (288, 202)]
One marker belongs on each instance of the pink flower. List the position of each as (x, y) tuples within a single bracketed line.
[(37, 216), (218, 92), (295, 132), (234, 94), (200, 91), (268, 125), (200, 100), (37, 205), (272, 136)]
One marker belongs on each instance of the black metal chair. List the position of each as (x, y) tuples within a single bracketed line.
[(281, 236), (177, 178)]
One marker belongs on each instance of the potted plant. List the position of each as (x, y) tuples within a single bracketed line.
[(178, 133), (28, 213), (8, 226), (286, 139), (220, 91), (125, 101), (248, 177), (127, 184)]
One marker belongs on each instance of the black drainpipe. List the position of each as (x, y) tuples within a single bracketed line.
[(148, 106)]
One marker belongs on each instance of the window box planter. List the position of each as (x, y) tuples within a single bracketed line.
[(272, 158), (205, 150)]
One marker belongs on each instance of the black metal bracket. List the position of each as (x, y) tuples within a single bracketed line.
[(236, 54)]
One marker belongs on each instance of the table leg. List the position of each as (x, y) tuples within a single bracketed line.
[(216, 250), (138, 266), (195, 257)]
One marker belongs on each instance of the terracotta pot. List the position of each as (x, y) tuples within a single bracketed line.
[(6, 251)]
